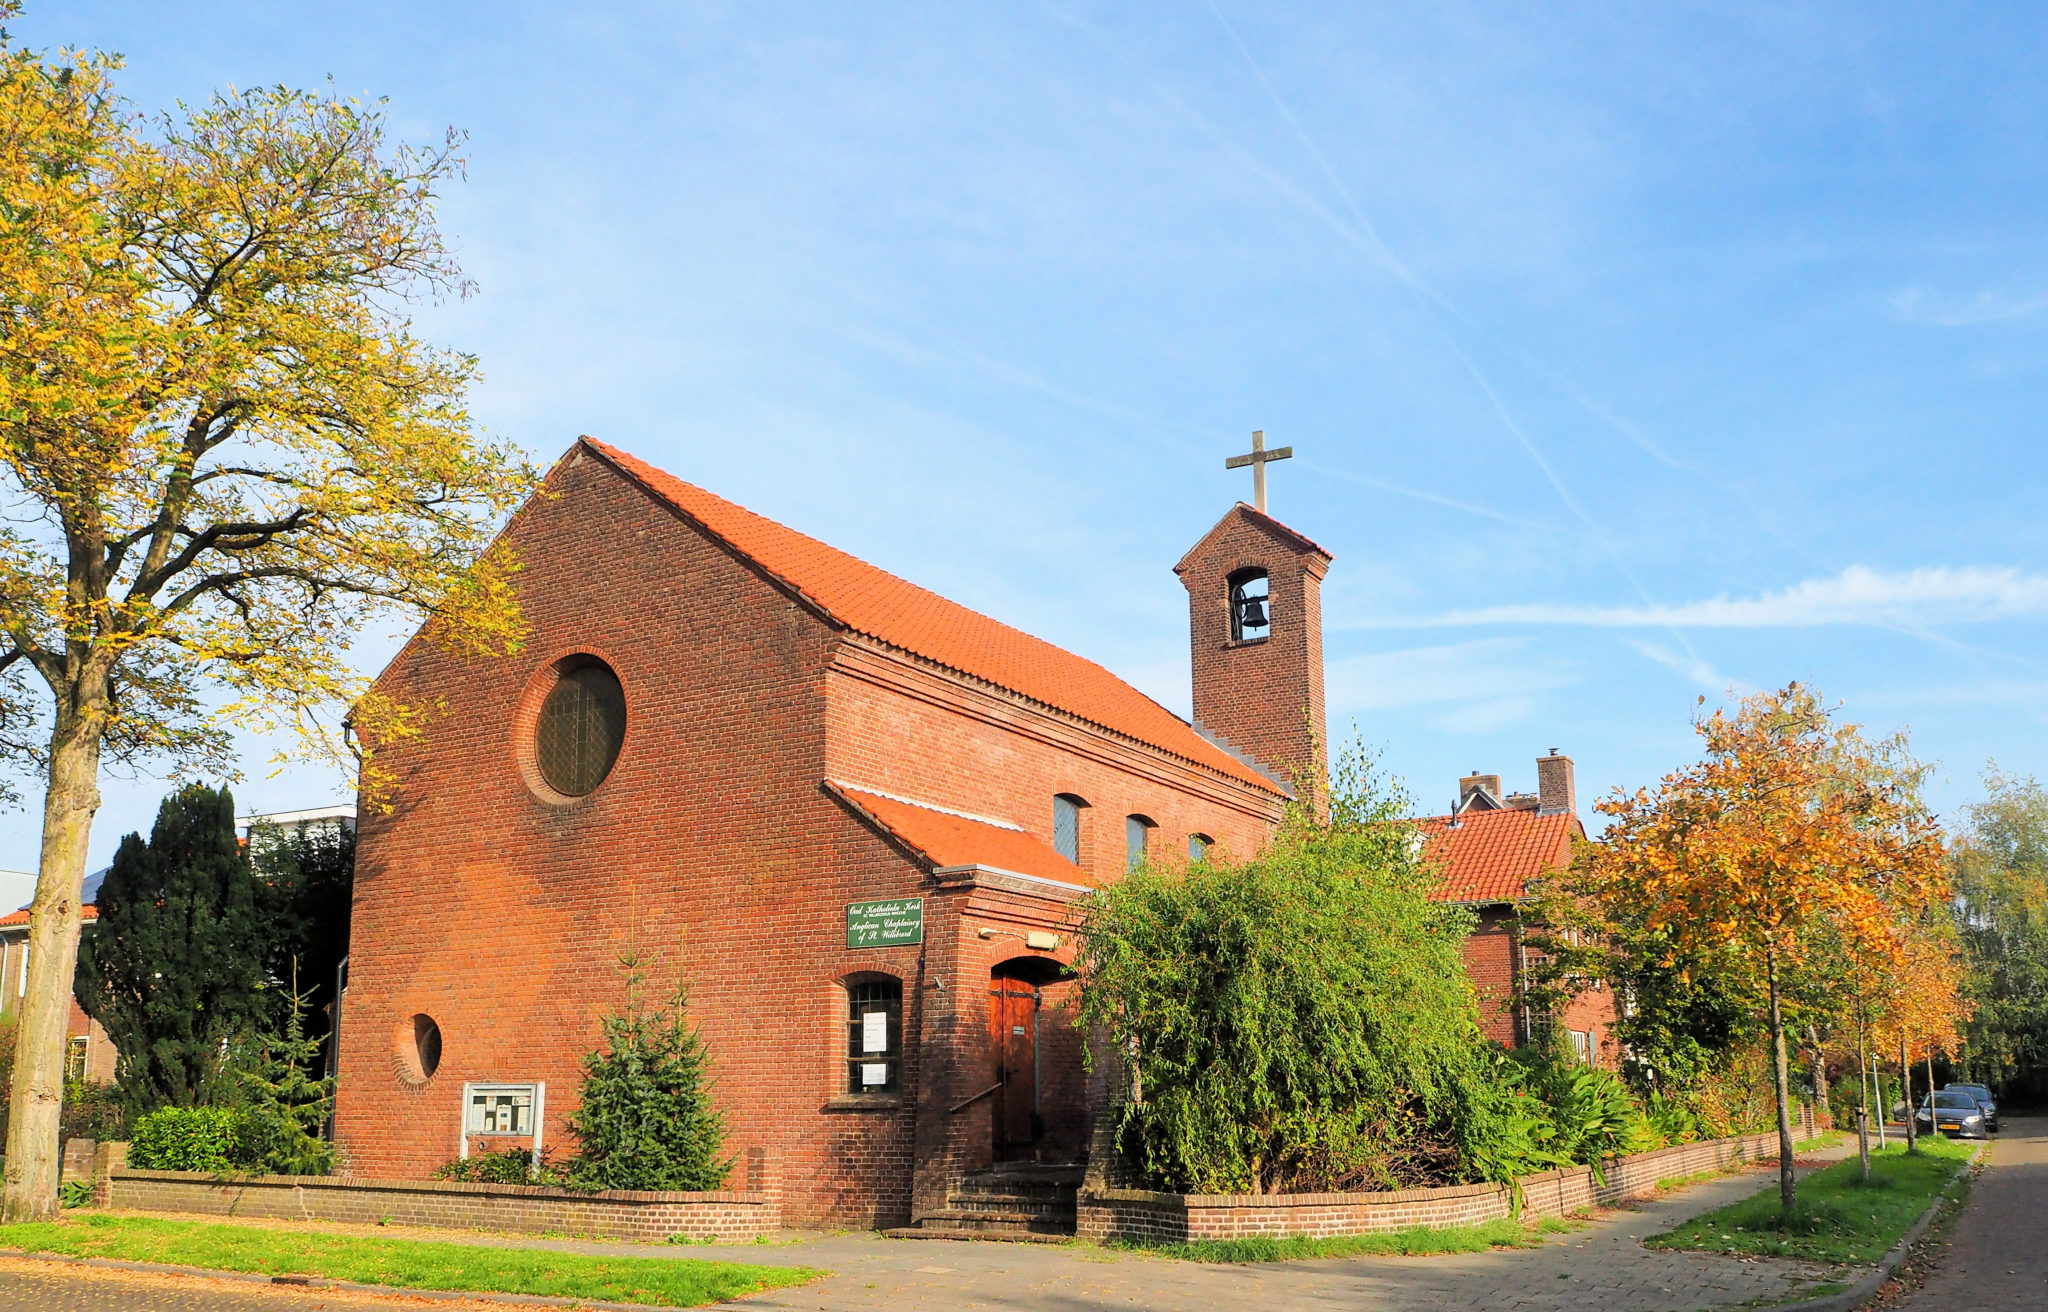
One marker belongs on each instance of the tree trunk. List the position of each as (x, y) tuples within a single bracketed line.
[(1906, 1092), (40, 1038), (1787, 1179)]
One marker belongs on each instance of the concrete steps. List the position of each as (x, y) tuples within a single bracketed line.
[(1028, 1202)]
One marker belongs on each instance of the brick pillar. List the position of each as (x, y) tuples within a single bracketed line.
[(764, 1177), (107, 1159), (948, 1004)]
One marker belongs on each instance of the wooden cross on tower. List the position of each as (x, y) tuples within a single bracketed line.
[(1257, 460)]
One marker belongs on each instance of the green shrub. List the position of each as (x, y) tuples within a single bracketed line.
[(1671, 1119), (92, 1111), (512, 1166), (188, 1139), (74, 1193), (1303, 1020)]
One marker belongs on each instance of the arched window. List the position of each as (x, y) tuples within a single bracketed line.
[(874, 1035), (1137, 837), (1198, 847), (1250, 615), (581, 727), (1066, 826)]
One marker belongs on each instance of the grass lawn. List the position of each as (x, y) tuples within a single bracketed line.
[(408, 1263), (1421, 1241), (1839, 1218)]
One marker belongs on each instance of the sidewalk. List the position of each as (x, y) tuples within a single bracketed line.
[(1603, 1266)]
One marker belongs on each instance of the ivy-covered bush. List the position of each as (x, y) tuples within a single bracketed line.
[(1303, 1021), (189, 1139)]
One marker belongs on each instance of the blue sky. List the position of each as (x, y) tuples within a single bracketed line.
[(1628, 353)]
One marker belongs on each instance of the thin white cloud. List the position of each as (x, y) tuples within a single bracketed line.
[(1693, 670), (1918, 305), (1858, 595)]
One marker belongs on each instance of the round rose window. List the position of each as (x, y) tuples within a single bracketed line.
[(582, 726)]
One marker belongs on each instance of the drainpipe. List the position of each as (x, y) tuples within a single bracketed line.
[(334, 1040)]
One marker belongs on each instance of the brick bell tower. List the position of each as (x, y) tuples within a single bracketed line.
[(1255, 623)]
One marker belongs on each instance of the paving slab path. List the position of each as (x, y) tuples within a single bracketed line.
[(1997, 1251), (1602, 1266)]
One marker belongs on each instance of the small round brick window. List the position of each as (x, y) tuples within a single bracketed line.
[(581, 727), (419, 1049)]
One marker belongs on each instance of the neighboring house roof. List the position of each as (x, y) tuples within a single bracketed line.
[(16, 919), (89, 893), (875, 602), (1492, 856), (949, 839)]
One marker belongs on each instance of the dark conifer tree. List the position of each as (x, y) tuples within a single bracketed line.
[(174, 966)]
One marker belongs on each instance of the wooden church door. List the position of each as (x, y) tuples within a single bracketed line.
[(1013, 1031)]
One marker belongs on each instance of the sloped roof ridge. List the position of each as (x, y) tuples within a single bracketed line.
[(1262, 520), (869, 600)]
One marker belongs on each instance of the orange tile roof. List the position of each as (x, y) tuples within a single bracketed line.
[(14, 918), (1491, 856), (872, 601), (947, 839)]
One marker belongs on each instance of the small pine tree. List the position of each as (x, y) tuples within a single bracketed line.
[(646, 1119), (286, 1106)]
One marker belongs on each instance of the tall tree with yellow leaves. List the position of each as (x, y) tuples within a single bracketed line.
[(223, 453), (1788, 833)]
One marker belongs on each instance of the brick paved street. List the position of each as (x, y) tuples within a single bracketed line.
[(1997, 1257)]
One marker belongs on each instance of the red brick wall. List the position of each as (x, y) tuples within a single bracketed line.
[(1140, 1214), (710, 850), (1490, 961), (901, 728), (713, 852), (1265, 697), (642, 1217)]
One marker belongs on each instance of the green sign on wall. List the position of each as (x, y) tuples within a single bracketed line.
[(890, 924)]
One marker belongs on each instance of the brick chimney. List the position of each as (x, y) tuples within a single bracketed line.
[(1255, 624), (1479, 783), (1555, 789)]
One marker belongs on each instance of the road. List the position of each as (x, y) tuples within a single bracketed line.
[(1997, 1254)]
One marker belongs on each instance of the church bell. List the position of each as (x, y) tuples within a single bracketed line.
[(1251, 613)]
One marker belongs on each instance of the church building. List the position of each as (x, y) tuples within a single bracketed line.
[(852, 816)]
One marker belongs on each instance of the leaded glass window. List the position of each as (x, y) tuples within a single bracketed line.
[(1137, 836), (582, 726), (1066, 827), (874, 1036)]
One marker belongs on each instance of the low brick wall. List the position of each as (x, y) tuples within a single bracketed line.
[(1154, 1217), (614, 1214)]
